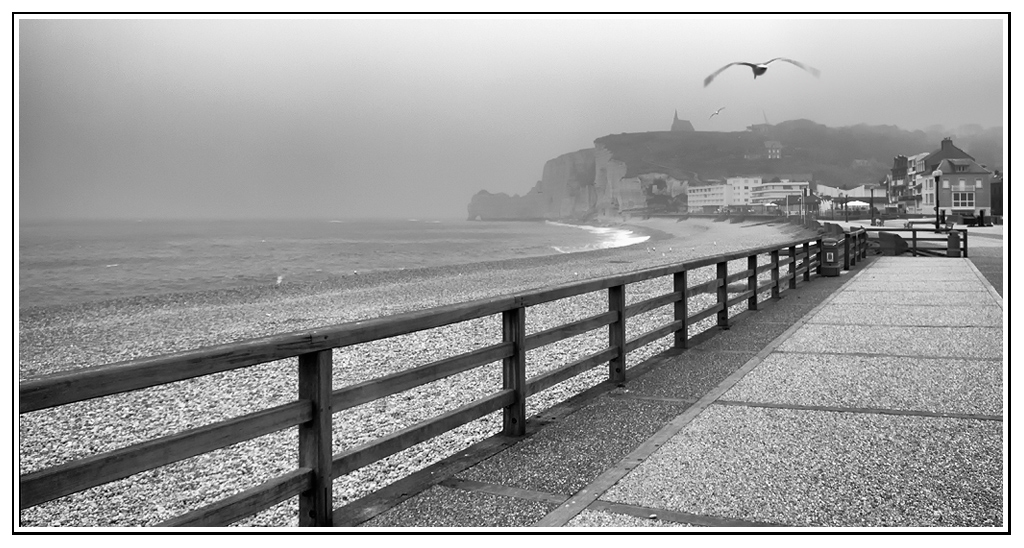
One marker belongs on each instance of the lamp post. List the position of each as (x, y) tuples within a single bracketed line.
[(938, 175), (871, 206)]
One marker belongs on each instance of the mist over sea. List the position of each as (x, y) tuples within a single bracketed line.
[(87, 261)]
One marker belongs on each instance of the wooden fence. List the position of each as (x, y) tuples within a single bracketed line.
[(316, 403), (925, 235)]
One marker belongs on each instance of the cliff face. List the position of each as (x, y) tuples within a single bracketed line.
[(566, 190), (650, 171), (579, 184)]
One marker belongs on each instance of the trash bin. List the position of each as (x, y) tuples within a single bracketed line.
[(953, 244), (831, 247)]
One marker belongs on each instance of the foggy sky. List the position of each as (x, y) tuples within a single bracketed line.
[(338, 118)]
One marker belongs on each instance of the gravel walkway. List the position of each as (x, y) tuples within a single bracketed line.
[(61, 338)]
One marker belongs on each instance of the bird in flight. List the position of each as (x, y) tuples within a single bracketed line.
[(715, 113), (761, 68)]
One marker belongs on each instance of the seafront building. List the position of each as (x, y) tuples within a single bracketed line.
[(752, 193), (776, 190), (964, 189), (716, 195)]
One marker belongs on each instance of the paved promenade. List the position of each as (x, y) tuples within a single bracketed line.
[(872, 399)]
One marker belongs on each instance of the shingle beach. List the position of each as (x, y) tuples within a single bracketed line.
[(66, 337)]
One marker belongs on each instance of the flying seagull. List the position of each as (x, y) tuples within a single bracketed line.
[(716, 113), (761, 68)]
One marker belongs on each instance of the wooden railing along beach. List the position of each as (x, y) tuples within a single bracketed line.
[(316, 402)]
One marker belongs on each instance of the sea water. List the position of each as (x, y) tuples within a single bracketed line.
[(86, 261)]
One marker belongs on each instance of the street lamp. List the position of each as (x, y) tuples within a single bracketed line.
[(937, 174)]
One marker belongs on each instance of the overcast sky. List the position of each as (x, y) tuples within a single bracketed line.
[(335, 118)]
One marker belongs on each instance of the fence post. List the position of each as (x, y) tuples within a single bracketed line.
[(315, 372), (807, 261), (775, 274), (681, 312), (964, 232), (913, 238), (792, 267), (820, 256), (513, 326), (617, 333), (752, 282), (846, 251), (723, 294)]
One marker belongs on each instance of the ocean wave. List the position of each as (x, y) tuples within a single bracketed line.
[(610, 237)]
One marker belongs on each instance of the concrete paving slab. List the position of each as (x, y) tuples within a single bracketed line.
[(806, 468), (910, 262), (915, 275), (445, 507), (979, 315), (590, 518), (919, 266), (937, 385), (882, 286), (891, 299), (936, 342), (565, 456)]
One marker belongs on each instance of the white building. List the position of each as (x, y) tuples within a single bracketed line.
[(916, 178), (709, 198), (825, 190), (768, 192), (740, 189)]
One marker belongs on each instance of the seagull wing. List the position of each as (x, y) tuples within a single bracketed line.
[(713, 74), (808, 68)]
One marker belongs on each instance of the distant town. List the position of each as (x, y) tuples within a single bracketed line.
[(796, 167), (965, 189)]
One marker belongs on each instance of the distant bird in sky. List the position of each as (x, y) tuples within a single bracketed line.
[(761, 68), (715, 113)]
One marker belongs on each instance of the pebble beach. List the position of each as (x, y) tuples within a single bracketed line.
[(58, 338)]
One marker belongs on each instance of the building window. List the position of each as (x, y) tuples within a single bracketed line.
[(945, 183), (963, 199), (977, 183), (962, 184)]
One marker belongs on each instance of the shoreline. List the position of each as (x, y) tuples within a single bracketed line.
[(67, 337), (108, 332), (335, 282)]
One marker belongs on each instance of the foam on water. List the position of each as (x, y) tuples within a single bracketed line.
[(610, 237), (75, 262)]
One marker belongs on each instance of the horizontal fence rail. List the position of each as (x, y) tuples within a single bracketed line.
[(316, 402), (915, 236)]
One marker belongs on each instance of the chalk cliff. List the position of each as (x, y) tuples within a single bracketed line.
[(649, 172), (566, 190)]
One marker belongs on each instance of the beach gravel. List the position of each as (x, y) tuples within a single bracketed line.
[(59, 338)]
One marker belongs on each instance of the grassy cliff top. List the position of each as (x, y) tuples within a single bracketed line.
[(846, 156)]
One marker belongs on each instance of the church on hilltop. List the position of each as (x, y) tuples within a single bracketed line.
[(681, 125)]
